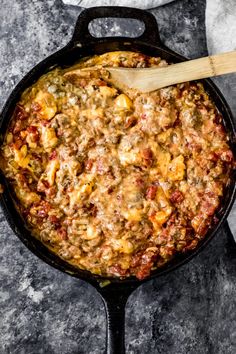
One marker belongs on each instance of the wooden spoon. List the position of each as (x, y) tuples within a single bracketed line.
[(149, 79)]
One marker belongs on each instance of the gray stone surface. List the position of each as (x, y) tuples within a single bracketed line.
[(191, 311)]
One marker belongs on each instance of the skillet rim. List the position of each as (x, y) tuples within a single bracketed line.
[(37, 247)]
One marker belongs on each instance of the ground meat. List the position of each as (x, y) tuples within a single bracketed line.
[(115, 182)]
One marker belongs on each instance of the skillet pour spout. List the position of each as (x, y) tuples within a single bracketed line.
[(83, 44)]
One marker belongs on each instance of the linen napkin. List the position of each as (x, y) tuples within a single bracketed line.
[(140, 4), (221, 37)]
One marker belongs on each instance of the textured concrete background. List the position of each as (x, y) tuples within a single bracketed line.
[(191, 311)]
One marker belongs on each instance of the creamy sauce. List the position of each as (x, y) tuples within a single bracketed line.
[(116, 182)]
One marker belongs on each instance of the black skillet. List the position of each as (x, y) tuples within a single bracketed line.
[(84, 44)]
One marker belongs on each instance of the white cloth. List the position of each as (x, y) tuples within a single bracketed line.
[(221, 37), (221, 25), (140, 4), (220, 34)]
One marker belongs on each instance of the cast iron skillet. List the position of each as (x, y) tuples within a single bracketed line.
[(83, 44)]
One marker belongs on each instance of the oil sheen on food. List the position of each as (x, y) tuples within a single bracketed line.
[(114, 182)]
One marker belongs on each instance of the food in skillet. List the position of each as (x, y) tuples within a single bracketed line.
[(116, 182)]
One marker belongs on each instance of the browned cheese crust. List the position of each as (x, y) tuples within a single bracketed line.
[(116, 182)]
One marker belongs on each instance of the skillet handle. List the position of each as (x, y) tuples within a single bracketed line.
[(231, 244), (114, 300), (82, 35)]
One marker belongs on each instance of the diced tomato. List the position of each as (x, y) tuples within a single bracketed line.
[(176, 197), (140, 182), (117, 271), (17, 144), (101, 83), (20, 116), (89, 164), (63, 233), (34, 134), (151, 192), (147, 157), (20, 113), (147, 154), (147, 262), (53, 155), (53, 219)]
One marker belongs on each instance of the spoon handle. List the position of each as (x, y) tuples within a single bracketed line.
[(202, 68), (151, 79)]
